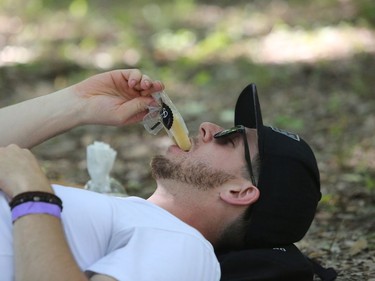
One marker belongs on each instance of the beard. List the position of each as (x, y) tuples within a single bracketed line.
[(198, 174)]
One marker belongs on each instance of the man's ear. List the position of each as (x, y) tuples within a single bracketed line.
[(240, 195)]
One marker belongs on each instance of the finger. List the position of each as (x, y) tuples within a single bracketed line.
[(11, 149), (134, 77), (156, 86), (134, 110), (146, 82)]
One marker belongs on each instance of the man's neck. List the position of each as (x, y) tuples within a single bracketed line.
[(190, 210)]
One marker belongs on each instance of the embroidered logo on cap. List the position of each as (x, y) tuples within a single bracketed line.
[(279, 249), (286, 133)]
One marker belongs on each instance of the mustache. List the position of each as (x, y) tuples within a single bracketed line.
[(194, 142)]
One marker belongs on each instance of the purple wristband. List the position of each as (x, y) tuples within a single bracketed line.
[(29, 208)]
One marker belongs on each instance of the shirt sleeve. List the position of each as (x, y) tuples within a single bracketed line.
[(159, 255)]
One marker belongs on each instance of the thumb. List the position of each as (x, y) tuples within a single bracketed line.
[(134, 110)]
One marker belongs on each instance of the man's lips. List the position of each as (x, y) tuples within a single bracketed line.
[(175, 147)]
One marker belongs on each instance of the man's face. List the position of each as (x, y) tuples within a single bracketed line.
[(209, 163)]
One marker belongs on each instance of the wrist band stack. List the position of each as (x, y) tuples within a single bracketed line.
[(28, 203)]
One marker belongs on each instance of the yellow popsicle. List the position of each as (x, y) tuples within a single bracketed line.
[(179, 133)]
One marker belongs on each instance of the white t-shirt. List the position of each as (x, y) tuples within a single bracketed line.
[(129, 239)]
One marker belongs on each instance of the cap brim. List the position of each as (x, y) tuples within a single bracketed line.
[(247, 112)]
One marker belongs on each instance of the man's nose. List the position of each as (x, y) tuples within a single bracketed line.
[(207, 131)]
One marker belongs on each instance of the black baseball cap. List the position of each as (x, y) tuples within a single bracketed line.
[(289, 181)]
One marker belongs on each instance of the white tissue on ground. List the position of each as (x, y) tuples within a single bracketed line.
[(100, 161)]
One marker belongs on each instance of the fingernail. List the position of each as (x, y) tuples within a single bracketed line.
[(132, 83), (160, 84)]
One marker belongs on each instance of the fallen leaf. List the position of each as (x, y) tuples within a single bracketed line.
[(358, 246)]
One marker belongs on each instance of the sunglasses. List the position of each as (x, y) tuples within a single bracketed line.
[(239, 129)]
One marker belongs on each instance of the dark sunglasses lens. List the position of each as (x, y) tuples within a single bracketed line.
[(224, 133), (228, 132)]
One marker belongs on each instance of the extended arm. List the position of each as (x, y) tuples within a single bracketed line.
[(113, 98)]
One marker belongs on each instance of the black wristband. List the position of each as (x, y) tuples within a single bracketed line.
[(35, 196)]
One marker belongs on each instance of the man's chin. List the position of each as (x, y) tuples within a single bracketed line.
[(162, 167), (198, 174)]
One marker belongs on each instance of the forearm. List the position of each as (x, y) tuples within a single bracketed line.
[(33, 121), (41, 251), (117, 98)]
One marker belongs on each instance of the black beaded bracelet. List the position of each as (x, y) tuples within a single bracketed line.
[(35, 196)]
